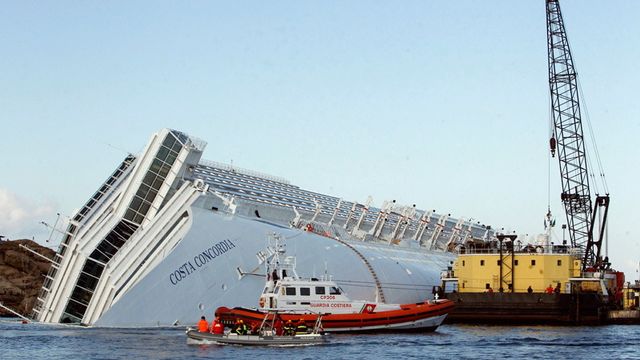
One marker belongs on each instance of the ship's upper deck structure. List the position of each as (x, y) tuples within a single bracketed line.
[(431, 229)]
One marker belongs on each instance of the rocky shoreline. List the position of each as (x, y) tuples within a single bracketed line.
[(21, 274)]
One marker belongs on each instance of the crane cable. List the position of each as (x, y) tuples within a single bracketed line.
[(600, 167), (551, 135), (593, 145)]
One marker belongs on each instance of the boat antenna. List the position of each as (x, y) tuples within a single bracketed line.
[(119, 148), (325, 271)]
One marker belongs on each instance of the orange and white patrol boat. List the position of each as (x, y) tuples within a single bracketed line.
[(294, 298)]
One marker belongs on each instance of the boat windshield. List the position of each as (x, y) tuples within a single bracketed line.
[(335, 290)]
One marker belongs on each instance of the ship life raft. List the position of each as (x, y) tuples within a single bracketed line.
[(291, 297), (265, 339), (269, 333)]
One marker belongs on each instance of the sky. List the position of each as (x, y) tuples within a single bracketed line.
[(442, 104)]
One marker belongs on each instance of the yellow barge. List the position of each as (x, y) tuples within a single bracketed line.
[(509, 283)]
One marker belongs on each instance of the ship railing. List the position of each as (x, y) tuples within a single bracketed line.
[(518, 249)]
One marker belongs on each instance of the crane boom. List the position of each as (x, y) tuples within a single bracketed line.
[(568, 135)]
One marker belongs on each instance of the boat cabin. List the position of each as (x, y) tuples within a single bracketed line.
[(286, 291)]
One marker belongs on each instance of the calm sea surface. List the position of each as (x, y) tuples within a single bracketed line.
[(37, 341)]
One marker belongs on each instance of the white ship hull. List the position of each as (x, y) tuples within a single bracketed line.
[(236, 277)]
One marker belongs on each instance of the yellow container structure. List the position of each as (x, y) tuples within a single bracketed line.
[(486, 272)]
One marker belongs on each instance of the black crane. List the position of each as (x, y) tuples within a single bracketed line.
[(568, 137)]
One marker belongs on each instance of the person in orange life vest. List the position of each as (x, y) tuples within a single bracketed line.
[(217, 327), (549, 289), (203, 325)]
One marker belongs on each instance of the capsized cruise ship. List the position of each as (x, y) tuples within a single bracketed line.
[(169, 237)]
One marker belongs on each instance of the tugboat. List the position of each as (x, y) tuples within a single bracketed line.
[(294, 299)]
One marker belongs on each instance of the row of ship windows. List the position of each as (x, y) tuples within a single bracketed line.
[(306, 291), (515, 262)]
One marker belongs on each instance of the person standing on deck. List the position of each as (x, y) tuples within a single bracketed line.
[(549, 289), (203, 325)]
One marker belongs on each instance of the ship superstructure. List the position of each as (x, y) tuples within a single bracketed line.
[(170, 236)]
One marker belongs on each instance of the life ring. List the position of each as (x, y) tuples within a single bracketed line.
[(309, 228), (261, 302), (369, 308)]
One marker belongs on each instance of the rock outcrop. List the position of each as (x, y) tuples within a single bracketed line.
[(21, 274)]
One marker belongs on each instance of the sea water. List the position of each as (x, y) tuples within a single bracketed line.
[(42, 341)]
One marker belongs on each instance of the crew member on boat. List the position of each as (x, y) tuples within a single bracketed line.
[(241, 327), (217, 327), (203, 325), (289, 330), (301, 328)]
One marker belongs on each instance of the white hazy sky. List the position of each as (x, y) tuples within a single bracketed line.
[(439, 103)]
